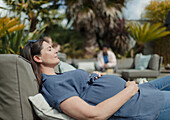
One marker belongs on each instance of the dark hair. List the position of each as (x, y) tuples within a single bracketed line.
[(55, 44), (33, 47), (106, 45), (46, 38)]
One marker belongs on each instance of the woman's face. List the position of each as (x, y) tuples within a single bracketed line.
[(49, 55)]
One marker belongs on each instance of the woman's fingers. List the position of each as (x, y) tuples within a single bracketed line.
[(133, 86), (99, 74), (130, 83)]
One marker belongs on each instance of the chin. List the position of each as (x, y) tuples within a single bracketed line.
[(58, 61)]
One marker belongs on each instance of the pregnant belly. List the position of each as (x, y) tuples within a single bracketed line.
[(103, 88)]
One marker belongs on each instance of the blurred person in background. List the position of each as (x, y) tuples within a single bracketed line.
[(106, 59)]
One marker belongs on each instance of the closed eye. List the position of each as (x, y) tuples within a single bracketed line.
[(49, 48)]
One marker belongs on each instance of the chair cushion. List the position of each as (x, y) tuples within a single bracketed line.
[(63, 67), (154, 62), (125, 63), (143, 62), (137, 57), (139, 74), (44, 111), (17, 83), (62, 56), (87, 66)]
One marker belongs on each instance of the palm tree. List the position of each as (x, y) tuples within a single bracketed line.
[(45, 9), (98, 21), (147, 32)]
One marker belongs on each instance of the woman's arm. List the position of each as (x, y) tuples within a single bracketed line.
[(79, 109)]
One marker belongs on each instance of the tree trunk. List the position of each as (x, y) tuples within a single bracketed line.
[(34, 22), (90, 46)]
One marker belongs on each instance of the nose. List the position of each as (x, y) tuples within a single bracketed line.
[(55, 50)]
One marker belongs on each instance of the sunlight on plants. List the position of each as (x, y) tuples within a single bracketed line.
[(8, 25), (13, 36), (147, 32)]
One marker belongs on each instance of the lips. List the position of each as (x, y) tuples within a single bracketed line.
[(56, 56)]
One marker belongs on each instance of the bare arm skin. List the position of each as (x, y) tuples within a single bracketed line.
[(79, 109)]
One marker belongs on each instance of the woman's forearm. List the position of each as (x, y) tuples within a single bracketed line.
[(107, 108), (79, 109)]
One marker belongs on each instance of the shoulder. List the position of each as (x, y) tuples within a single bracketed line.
[(110, 52), (64, 67), (100, 53)]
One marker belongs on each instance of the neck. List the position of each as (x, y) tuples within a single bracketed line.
[(104, 53), (47, 70)]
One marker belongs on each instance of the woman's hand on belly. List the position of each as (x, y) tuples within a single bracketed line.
[(132, 85), (79, 109), (99, 74)]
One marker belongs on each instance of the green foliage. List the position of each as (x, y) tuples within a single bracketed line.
[(46, 10), (147, 32), (74, 45), (99, 22), (157, 10), (9, 25), (71, 41), (15, 37)]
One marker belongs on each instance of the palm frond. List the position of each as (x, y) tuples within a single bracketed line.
[(148, 32)]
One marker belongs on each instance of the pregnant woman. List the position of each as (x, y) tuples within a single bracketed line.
[(96, 96)]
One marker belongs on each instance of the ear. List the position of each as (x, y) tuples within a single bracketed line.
[(37, 58)]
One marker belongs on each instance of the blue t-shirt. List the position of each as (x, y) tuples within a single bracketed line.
[(146, 104), (105, 57)]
